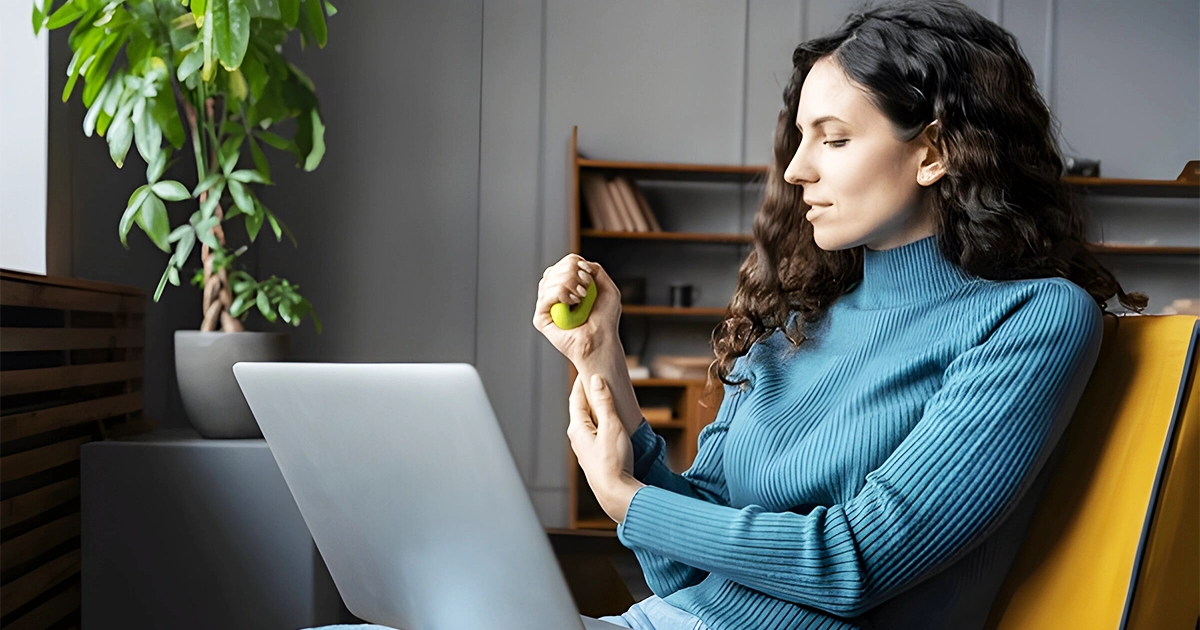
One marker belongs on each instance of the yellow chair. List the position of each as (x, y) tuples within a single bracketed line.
[(1115, 543)]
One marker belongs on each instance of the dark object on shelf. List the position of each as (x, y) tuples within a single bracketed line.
[(683, 295), (633, 290), (1082, 167), (1190, 173)]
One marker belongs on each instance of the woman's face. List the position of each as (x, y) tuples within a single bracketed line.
[(865, 185)]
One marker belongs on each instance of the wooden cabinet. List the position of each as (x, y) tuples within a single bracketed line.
[(72, 354)]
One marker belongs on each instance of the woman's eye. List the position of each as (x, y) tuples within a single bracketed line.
[(837, 143)]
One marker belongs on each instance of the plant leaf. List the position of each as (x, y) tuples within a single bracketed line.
[(204, 232), (162, 283), (210, 203), (154, 170), (154, 222), (97, 107), (264, 306), (241, 196), (318, 142), (96, 72), (239, 306), (207, 183), (254, 223), (285, 311), (274, 140), (166, 114), (171, 190), (316, 20), (65, 14), (230, 152), (289, 12), (268, 9), (190, 64), (184, 248), (231, 31), (260, 161), (147, 134), (173, 275), (120, 135), (131, 212), (248, 176)]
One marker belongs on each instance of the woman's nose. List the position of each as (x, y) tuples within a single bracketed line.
[(799, 171)]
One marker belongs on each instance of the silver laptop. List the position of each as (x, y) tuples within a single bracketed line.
[(408, 487)]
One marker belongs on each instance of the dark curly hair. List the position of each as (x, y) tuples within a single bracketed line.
[(1001, 211)]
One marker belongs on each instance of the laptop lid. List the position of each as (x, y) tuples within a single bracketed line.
[(405, 480)]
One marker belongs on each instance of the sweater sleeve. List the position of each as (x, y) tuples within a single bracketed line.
[(981, 440), (704, 480)]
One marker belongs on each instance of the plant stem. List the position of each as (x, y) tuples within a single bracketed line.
[(217, 295)]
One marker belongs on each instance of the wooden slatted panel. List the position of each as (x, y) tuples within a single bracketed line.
[(31, 544), (16, 293), (26, 506), (24, 589), (49, 612), (36, 460), (27, 339), (73, 373), (19, 425), (47, 379)]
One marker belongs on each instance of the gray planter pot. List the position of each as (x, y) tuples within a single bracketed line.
[(204, 368)]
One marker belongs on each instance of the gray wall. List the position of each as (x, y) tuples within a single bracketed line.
[(443, 193)]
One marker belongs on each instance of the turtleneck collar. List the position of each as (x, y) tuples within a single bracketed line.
[(912, 273)]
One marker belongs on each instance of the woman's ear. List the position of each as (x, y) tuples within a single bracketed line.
[(932, 167)]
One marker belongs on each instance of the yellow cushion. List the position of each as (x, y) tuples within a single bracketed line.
[(1131, 453)]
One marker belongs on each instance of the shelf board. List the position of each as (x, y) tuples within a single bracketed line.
[(689, 237), (673, 172), (1100, 248), (667, 382), (1161, 250), (671, 311), (1134, 187), (595, 523)]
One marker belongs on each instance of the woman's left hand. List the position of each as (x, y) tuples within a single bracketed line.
[(602, 446)]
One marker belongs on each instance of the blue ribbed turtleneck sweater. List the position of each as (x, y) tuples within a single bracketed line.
[(883, 474)]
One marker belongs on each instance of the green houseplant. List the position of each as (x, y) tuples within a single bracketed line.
[(209, 74)]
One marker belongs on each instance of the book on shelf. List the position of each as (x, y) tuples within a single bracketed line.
[(616, 204), (1182, 306), (645, 207), (595, 200), (632, 208), (657, 414), (624, 216), (686, 367), (636, 369)]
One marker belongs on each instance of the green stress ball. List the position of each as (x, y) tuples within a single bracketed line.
[(567, 317)]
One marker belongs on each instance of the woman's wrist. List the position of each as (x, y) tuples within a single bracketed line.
[(608, 360)]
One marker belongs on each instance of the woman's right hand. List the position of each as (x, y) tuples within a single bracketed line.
[(566, 281)]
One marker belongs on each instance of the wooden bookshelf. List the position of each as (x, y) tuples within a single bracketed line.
[(664, 171), (682, 431), (1134, 187), (685, 237)]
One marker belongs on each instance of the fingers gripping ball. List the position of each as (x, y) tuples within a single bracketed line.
[(567, 317)]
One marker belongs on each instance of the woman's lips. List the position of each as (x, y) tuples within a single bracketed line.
[(815, 211)]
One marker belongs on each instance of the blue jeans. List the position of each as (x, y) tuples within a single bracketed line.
[(653, 613)]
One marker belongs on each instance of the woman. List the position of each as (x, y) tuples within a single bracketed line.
[(905, 346)]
